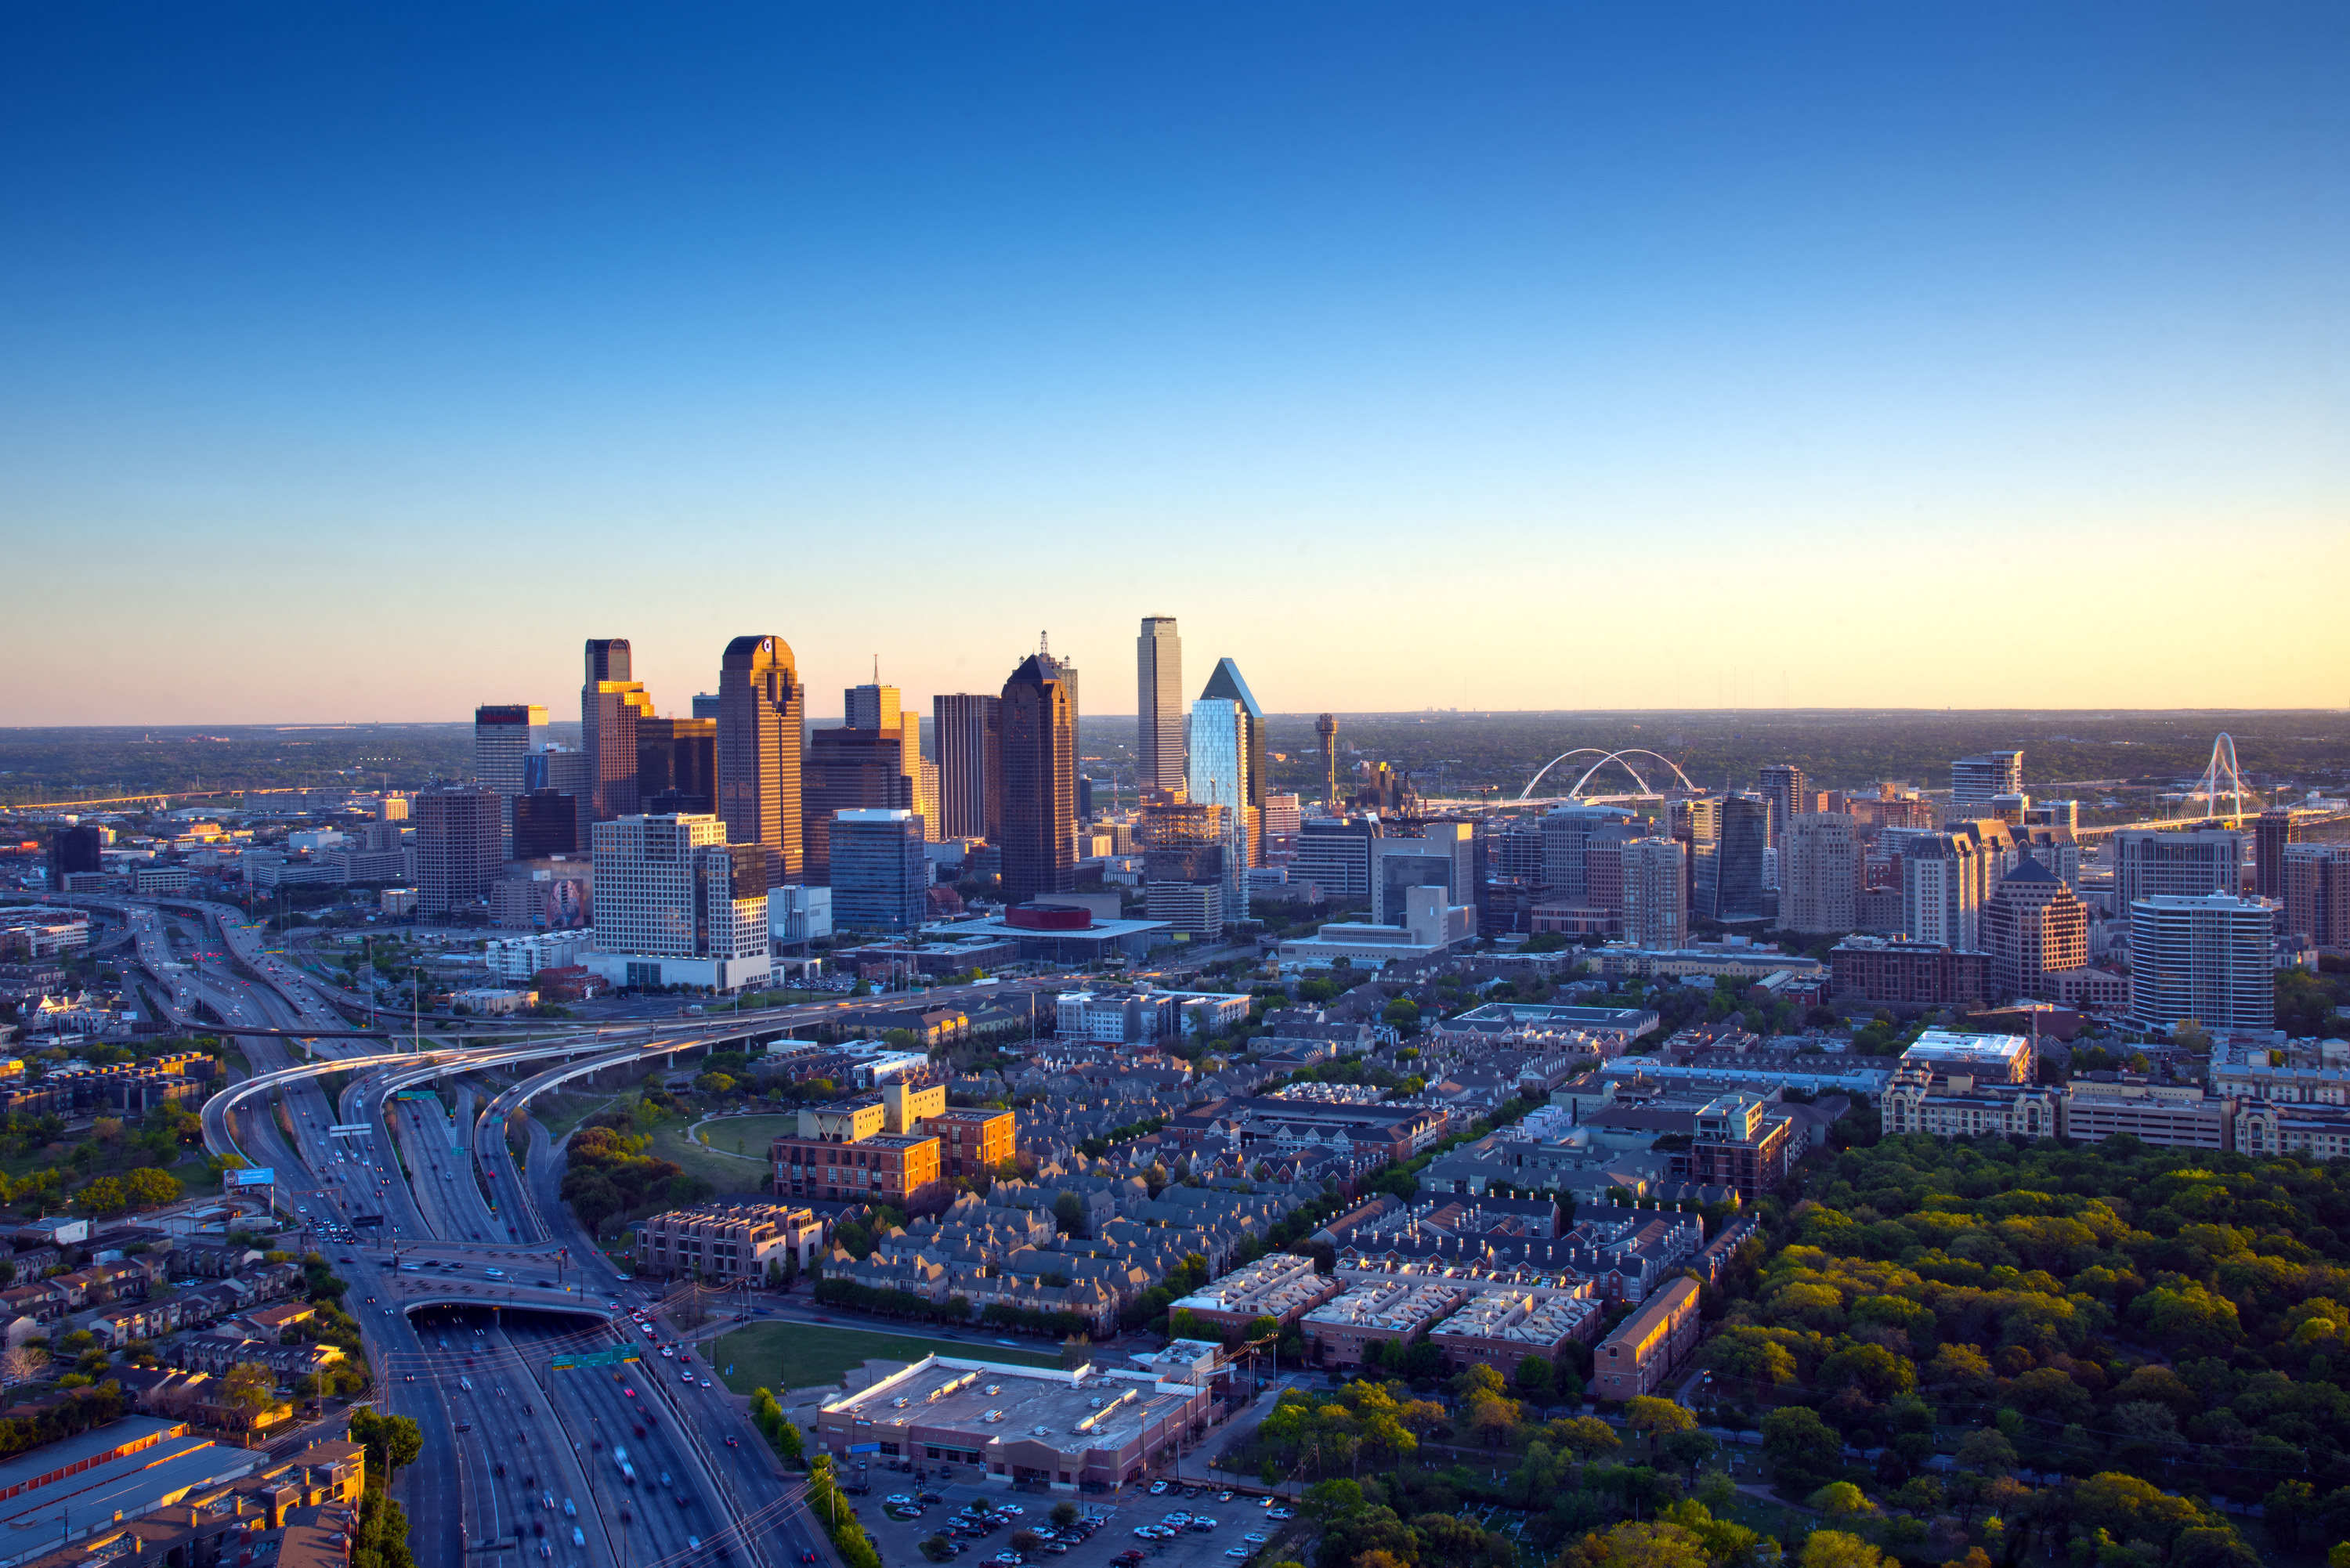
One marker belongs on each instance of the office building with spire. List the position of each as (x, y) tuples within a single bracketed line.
[(762, 714), (610, 704), (1036, 762), (967, 729), (1159, 715)]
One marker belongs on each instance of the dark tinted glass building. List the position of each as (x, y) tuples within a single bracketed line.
[(969, 731), (677, 765), (74, 849), (847, 770), (1039, 770), (546, 823)]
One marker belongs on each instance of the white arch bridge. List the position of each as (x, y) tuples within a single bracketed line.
[(1604, 757)]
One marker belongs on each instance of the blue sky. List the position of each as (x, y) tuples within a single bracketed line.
[(368, 360)]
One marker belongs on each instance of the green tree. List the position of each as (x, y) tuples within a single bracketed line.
[(1533, 1378), (1644, 1413), (1805, 1451), (1840, 1499), (148, 1188), (393, 1442), (1840, 1549)]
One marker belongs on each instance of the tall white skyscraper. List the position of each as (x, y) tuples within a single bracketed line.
[(1218, 775), (1159, 705)]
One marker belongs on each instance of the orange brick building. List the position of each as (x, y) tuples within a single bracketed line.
[(1641, 1353), (971, 1142)]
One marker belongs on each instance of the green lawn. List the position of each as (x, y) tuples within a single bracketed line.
[(728, 1173), (753, 1133), (781, 1355)]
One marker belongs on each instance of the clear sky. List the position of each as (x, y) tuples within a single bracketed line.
[(358, 361)]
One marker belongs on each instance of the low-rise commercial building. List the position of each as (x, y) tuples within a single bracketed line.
[(1879, 971), (1020, 1426)]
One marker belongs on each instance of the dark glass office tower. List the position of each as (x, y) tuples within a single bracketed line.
[(677, 765), (1226, 683), (969, 727), (1039, 768), (610, 704), (761, 713), (846, 770), (1728, 877)]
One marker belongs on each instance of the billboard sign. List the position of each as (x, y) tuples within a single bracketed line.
[(568, 906), (258, 1176)]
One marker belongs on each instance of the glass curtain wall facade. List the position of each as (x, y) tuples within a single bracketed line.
[(761, 717), (1037, 763), (1218, 775)]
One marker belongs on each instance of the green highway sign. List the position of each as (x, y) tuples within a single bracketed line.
[(612, 1357)]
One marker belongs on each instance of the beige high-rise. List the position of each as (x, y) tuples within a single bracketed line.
[(1158, 706)]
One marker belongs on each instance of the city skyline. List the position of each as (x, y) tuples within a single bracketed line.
[(1381, 309)]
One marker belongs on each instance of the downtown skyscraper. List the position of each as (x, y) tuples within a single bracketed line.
[(761, 713), (968, 730), (1218, 776), (1158, 758), (609, 706), (1038, 765)]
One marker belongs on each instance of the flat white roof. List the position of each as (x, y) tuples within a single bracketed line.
[(1945, 1046)]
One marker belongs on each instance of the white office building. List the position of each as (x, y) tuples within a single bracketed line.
[(678, 905)]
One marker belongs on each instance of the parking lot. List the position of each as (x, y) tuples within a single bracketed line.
[(899, 1541)]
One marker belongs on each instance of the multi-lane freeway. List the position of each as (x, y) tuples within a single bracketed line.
[(473, 1284)]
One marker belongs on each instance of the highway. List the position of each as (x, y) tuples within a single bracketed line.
[(469, 1276)]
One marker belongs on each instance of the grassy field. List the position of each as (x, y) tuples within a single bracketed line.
[(730, 1174), (781, 1355), (753, 1133)]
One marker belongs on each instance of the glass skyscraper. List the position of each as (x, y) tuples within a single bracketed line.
[(762, 714), (1038, 757), (1219, 775)]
